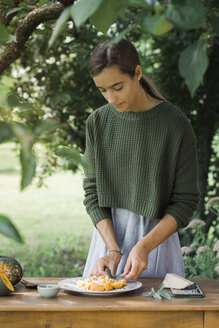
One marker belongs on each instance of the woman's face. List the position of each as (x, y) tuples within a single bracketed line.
[(119, 89)]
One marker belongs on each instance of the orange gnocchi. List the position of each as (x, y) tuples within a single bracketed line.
[(102, 283)]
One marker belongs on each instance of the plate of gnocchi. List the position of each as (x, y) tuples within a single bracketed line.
[(98, 286)]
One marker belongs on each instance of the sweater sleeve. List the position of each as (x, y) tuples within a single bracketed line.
[(96, 212), (185, 194)]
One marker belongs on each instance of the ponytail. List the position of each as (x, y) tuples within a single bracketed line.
[(150, 88)]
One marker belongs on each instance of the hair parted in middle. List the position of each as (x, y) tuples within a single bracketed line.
[(124, 55)]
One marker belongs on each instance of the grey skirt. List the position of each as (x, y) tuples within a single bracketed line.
[(129, 229)]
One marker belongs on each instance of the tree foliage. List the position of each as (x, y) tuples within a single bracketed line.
[(53, 94)]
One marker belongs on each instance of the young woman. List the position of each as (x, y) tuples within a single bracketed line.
[(141, 186)]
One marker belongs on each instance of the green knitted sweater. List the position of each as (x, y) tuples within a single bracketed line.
[(144, 162)]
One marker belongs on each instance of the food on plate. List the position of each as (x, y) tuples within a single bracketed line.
[(102, 283)]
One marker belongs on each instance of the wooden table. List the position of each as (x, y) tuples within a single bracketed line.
[(27, 309)]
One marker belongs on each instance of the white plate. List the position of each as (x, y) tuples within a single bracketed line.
[(71, 285)]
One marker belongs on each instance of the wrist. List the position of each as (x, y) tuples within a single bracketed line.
[(117, 251), (145, 244)]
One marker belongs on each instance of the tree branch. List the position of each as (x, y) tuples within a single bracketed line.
[(25, 29)]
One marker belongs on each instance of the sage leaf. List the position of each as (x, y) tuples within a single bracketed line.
[(118, 276), (166, 294), (146, 294), (115, 277), (156, 296), (108, 272), (159, 294), (160, 287)]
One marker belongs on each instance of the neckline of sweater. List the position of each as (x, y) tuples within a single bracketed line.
[(138, 115)]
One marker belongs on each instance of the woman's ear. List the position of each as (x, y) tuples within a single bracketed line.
[(138, 72)]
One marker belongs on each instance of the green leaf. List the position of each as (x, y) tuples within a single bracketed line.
[(86, 165), (152, 3), (47, 125), (141, 3), (156, 24), (83, 9), (121, 35), (42, 2), (28, 166), (27, 158), (69, 153), (4, 34), (187, 14), (115, 277), (13, 100), (214, 21), (9, 2), (60, 23), (108, 272), (161, 287), (13, 38), (26, 106), (14, 10), (165, 294), (107, 13), (6, 132), (23, 134), (8, 229), (118, 276), (147, 294), (193, 64), (61, 99), (156, 296)]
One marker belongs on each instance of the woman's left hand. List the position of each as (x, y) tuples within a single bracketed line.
[(137, 262)]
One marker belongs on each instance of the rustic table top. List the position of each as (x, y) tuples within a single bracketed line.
[(24, 299)]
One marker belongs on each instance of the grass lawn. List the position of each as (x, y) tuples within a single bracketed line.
[(52, 220)]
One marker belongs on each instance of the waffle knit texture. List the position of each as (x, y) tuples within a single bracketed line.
[(144, 162)]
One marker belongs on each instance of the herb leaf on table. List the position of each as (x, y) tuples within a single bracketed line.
[(159, 294)]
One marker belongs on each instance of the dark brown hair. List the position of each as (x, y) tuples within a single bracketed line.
[(125, 56)]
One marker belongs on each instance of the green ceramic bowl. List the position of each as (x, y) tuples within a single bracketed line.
[(48, 290)]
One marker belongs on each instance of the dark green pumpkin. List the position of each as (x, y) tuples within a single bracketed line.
[(5, 285), (11, 268)]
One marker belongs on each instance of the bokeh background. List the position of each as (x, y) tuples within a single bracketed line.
[(46, 95)]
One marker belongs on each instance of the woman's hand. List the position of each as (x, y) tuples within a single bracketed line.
[(138, 258), (136, 263), (110, 261)]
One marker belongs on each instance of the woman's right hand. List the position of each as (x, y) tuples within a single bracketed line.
[(110, 261)]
